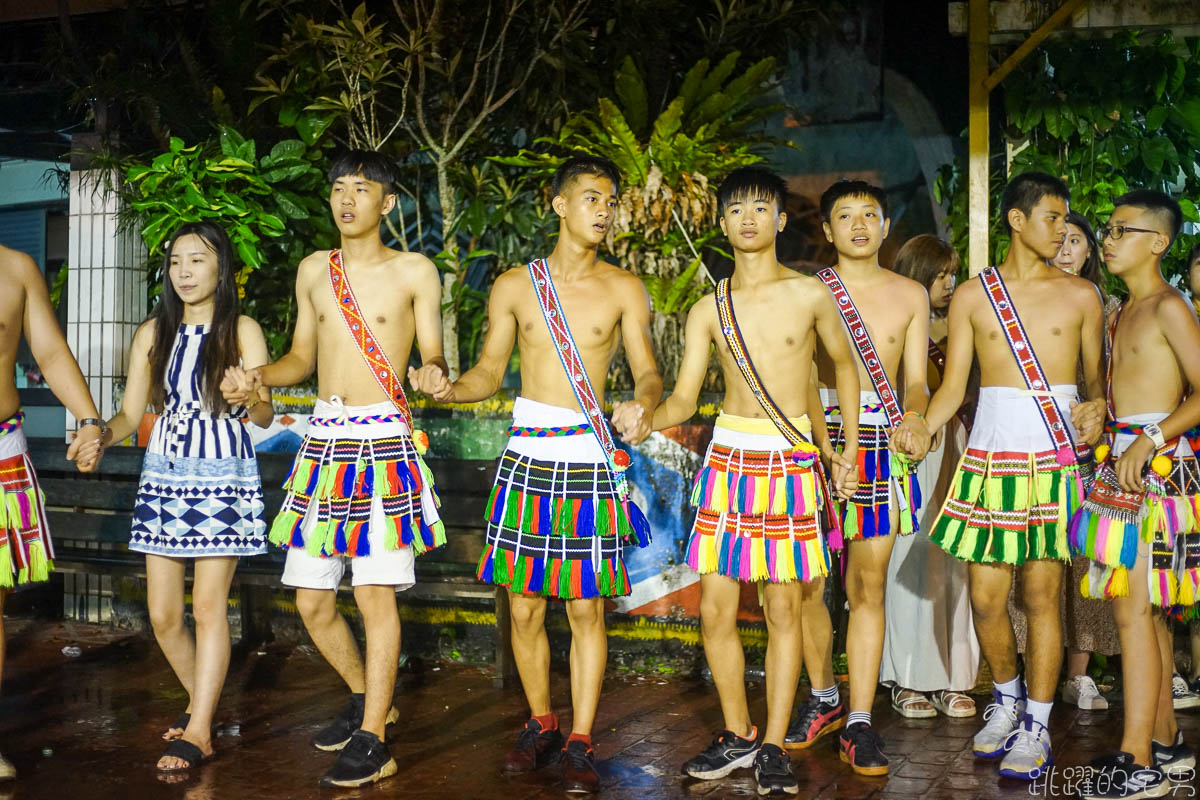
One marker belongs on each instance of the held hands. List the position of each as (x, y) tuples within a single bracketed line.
[(1088, 419), (843, 472), (240, 386), (632, 421), (911, 438), (1132, 463), (86, 448), (432, 380)]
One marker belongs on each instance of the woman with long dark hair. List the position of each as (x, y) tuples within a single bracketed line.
[(930, 653), (199, 499)]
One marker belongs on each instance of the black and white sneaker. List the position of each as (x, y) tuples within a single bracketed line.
[(1116, 777), (773, 771), (1177, 760), (364, 759), (334, 736), (726, 753)]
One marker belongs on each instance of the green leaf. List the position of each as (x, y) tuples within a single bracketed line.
[(720, 73), (1155, 118), (176, 144), (289, 112), (1156, 151), (288, 148), (291, 205), (1190, 212), (690, 90), (230, 141), (163, 162), (191, 193), (248, 253), (311, 125), (628, 154), (631, 91), (270, 221), (245, 151)]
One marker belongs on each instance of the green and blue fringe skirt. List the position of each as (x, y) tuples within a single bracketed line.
[(556, 523), (354, 458)]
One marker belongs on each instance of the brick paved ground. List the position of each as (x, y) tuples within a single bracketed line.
[(88, 727)]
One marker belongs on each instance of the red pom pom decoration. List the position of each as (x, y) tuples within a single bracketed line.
[(621, 460)]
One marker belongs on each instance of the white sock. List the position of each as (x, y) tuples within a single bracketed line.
[(1010, 691), (858, 716), (829, 695), (1039, 711)]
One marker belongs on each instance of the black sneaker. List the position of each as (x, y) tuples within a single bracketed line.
[(534, 748), (813, 720), (1116, 777), (860, 747), (363, 760), (1177, 760), (579, 768), (773, 771), (335, 735), (726, 753)]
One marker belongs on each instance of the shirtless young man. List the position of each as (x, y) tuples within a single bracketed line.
[(556, 520), (1153, 566), (895, 312), (768, 530), (358, 491), (1018, 484), (26, 553)]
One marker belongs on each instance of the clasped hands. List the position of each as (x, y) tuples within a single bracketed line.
[(240, 387), (86, 448)]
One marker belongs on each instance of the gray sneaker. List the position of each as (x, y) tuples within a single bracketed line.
[(1182, 695), (1177, 760), (1000, 721), (1029, 752)]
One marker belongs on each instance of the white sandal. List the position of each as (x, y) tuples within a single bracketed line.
[(904, 705), (945, 700)]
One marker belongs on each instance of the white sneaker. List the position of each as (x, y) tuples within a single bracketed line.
[(1081, 692), (999, 722), (1028, 751), (1181, 694), (7, 770)]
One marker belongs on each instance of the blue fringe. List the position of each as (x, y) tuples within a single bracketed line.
[(585, 522), (641, 526)]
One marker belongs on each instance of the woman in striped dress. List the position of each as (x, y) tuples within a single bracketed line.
[(199, 499)]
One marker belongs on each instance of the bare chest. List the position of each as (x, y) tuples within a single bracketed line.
[(383, 310), (592, 322)]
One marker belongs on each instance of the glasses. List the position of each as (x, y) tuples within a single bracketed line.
[(1117, 231)]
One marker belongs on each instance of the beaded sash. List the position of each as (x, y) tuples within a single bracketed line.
[(864, 345), (377, 360)]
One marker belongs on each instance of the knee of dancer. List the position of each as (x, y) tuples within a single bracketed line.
[(316, 606), (526, 616), (210, 612), (166, 619), (717, 617), (866, 589), (782, 613), (586, 614)]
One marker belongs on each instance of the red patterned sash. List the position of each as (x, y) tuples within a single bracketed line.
[(1031, 368), (866, 348), (368, 346)]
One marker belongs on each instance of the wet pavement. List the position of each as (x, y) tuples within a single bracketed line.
[(88, 727)]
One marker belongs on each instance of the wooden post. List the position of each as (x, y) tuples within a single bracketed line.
[(978, 31)]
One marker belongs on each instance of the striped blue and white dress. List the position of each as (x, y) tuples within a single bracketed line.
[(199, 494)]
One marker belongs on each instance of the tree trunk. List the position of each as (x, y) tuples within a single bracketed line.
[(666, 334), (450, 276)]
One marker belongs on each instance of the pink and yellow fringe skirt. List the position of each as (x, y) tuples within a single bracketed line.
[(26, 552), (1111, 525), (757, 505)]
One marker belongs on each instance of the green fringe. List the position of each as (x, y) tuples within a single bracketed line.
[(6, 567)]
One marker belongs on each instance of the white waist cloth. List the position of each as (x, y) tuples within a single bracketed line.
[(13, 443), (865, 398), (582, 447), (1008, 419), (1123, 440), (333, 419)]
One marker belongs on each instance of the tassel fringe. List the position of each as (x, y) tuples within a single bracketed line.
[(568, 579)]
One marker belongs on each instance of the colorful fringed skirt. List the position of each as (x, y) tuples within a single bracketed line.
[(199, 493), (1165, 521), (26, 553), (358, 484), (757, 505), (883, 476), (556, 524), (1010, 500)]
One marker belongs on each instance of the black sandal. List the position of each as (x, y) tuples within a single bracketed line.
[(185, 751), (181, 722)]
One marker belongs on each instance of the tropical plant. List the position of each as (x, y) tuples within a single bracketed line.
[(271, 206), (1106, 115), (666, 217)]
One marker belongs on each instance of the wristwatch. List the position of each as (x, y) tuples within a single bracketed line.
[(99, 423), (1155, 434)]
